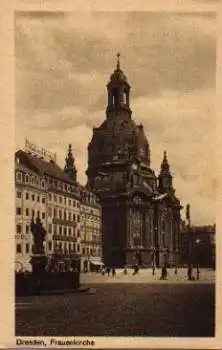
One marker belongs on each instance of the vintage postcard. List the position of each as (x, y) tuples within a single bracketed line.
[(111, 205)]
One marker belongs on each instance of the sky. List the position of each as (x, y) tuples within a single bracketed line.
[(62, 65)]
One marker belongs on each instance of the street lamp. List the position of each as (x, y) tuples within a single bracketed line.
[(153, 260), (197, 257)]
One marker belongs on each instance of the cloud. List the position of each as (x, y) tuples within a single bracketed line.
[(63, 63)]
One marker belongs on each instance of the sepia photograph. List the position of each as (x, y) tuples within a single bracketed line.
[(114, 171)]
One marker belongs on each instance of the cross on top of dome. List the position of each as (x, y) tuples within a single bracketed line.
[(118, 75)]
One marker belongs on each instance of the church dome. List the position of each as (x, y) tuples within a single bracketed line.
[(118, 76)]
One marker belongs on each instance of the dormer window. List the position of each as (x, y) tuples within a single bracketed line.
[(18, 176)]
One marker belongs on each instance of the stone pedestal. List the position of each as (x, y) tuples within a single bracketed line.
[(38, 262)]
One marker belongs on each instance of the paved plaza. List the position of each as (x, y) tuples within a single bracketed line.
[(109, 308), (146, 276)]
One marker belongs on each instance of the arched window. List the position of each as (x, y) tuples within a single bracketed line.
[(114, 97), (124, 97), (26, 178)]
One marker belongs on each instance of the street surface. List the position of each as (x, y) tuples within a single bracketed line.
[(145, 276), (163, 308)]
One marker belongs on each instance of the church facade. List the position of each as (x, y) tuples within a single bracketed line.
[(140, 211)]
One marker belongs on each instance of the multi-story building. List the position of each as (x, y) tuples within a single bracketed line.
[(90, 231), (30, 201), (198, 245), (44, 190)]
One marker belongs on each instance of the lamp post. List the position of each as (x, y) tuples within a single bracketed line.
[(190, 243), (153, 260), (197, 257)]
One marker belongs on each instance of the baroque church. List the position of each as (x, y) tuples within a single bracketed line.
[(140, 211)]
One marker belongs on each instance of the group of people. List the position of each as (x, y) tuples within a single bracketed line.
[(108, 270), (111, 271)]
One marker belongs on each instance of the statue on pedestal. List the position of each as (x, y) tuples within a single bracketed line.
[(39, 234)]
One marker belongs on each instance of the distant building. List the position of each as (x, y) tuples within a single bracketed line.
[(44, 190), (90, 218), (198, 244), (140, 211)]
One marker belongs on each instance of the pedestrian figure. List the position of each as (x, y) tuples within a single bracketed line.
[(189, 273), (175, 272), (136, 270), (108, 271), (163, 273), (153, 270), (113, 272), (103, 271), (125, 271)]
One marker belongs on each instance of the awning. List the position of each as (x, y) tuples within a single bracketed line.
[(96, 262)]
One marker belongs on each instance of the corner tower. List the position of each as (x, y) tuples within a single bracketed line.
[(70, 168), (165, 177)]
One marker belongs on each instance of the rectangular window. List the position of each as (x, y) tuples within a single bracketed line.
[(65, 231), (18, 228), (49, 246), (70, 231), (38, 214), (26, 195), (74, 203), (74, 217), (55, 229), (60, 214), (54, 212), (18, 248), (70, 217), (50, 228), (38, 199), (64, 215), (27, 248), (64, 200), (60, 199), (33, 213), (33, 197), (83, 251), (78, 248), (78, 233), (27, 212), (60, 230), (18, 211), (43, 215), (43, 200), (50, 197), (18, 194), (27, 229), (50, 212), (69, 202)]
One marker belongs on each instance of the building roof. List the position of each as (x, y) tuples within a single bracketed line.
[(42, 167), (23, 168)]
